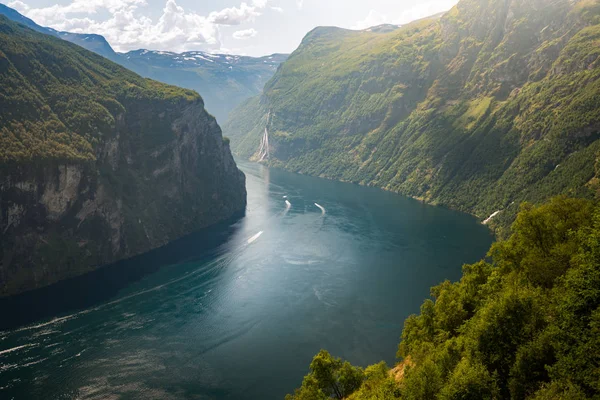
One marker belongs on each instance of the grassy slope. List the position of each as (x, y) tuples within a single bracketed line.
[(474, 110)]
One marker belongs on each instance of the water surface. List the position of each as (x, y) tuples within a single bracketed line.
[(238, 311)]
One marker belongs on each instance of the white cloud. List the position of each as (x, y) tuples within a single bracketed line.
[(278, 9), (19, 6), (126, 28), (418, 11), (300, 4), (235, 15), (425, 9), (374, 18), (245, 34)]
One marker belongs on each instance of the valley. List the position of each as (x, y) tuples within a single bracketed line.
[(413, 210)]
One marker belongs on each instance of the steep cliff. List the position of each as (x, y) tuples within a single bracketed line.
[(98, 164), (494, 103)]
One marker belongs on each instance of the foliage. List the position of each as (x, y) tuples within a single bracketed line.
[(524, 324), (329, 377), (61, 103)]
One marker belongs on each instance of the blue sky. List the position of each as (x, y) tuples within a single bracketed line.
[(252, 27)]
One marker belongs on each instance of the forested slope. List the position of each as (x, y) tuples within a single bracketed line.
[(494, 103), (523, 324)]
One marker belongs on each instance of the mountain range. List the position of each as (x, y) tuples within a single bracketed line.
[(223, 80)]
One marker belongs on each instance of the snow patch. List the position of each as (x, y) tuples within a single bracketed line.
[(205, 59)]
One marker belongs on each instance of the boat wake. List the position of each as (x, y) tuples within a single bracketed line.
[(288, 205), (321, 208), (253, 238)]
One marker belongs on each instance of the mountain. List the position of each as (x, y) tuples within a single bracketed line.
[(95, 43), (224, 80), (98, 164), (489, 105)]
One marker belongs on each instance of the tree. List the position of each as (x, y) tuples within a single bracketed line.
[(329, 377)]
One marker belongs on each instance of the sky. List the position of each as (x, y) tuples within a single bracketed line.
[(250, 27)]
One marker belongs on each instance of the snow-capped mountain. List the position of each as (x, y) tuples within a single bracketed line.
[(223, 80)]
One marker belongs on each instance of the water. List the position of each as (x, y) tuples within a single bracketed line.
[(238, 311)]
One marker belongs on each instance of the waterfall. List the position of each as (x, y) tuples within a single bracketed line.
[(263, 151)]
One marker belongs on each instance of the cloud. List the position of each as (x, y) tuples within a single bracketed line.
[(19, 6), (418, 11), (235, 15), (127, 28), (300, 4), (245, 34), (278, 9), (373, 18)]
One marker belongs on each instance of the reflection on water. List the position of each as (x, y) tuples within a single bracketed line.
[(237, 311), (100, 285)]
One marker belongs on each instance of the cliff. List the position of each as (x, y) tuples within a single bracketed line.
[(98, 164)]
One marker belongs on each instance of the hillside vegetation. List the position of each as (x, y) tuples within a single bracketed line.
[(59, 101), (489, 105), (523, 324)]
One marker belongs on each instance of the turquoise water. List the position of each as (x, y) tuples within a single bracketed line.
[(238, 311)]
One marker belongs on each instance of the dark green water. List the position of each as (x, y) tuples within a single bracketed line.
[(231, 314)]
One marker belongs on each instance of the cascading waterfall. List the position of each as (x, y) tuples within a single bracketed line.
[(263, 151)]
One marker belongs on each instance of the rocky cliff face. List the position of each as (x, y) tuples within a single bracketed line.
[(60, 220), (126, 166)]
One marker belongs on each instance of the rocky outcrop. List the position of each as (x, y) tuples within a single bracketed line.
[(59, 220)]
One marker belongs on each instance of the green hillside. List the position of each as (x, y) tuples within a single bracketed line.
[(98, 164), (523, 325), (492, 104), (60, 101)]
